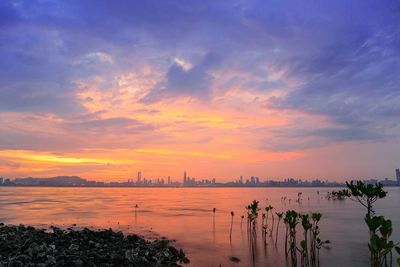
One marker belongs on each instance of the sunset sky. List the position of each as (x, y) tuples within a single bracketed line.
[(276, 89)]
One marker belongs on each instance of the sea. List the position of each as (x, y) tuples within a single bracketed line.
[(186, 216)]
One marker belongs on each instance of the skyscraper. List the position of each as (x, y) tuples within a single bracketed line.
[(184, 178), (139, 177), (398, 176)]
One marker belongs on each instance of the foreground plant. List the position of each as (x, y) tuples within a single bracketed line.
[(230, 234), (252, 213), (316, 242), (280, 215), (365, 194), (380, 228), (305, 222), (291, 220), (380, 245), (269, 209)]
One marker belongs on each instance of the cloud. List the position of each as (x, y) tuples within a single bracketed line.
[(180, 80), (296, 139), (89, 131), (4, 163), (116, 126), (43, 97), (96, 57), (329, 72)]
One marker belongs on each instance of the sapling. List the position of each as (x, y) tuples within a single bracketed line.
[(263, 226), (291, 220), (380, 245), (365, 194), (273, 219), (315, 241), (252, 214), (380, 228), (279, 214), (305, 222), (230, 234), (262, 219), (268, 209), (299, 197), (337, 195)]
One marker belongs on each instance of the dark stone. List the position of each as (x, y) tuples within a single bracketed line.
[(15, 263), (27, 246), (234, 259)]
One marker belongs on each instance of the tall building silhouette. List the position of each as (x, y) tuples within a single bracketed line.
[(139, 177), (398, 176), (184, 178)]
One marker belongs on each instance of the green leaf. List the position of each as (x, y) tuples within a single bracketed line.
[(374, 244)]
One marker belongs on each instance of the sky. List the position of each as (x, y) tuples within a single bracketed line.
[(271, 88)]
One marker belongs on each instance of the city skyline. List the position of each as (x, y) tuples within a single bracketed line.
[(264, 88), (187, 181)]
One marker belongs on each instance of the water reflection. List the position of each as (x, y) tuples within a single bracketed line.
[(188, 216)]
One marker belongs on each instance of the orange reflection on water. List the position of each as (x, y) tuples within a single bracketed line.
[(186, 214)]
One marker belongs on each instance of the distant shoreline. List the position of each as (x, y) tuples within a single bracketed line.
[(253, 182), (222, 186)]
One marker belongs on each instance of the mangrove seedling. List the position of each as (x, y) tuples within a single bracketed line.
[(337, 195), (380, 228), (380, 245), (291, 220), (252, 214), (263, 225), (273, 221), (230, 234), (299, 197), (279, 214), (315, 241), (365, 194), (269, 209), (305, 222), (252, 211)]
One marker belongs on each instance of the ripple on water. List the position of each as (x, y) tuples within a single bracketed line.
[(190, 209), (181, 215), (46, 200), (18, 202)]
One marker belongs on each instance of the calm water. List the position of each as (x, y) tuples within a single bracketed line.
[(185, 214)]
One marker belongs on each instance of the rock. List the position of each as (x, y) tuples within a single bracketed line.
[(78, 263), (51, 261), (27, 246), (73, 247), (15, 263), (234, 259), (130, 255), (33, 249)]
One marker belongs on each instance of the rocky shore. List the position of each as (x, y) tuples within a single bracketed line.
[(29, 246)]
